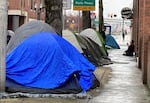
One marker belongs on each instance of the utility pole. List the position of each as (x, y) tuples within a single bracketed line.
[(3, 32), (101, 19)]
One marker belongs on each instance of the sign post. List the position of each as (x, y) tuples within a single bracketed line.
[(85, 5), (126, 14)]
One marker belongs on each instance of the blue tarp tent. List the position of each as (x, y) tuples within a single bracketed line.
[(40, 61), (46, 61), (110, 41)]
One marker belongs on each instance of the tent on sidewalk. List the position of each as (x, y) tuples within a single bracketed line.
[(44, 62), (26, 30), (87, 47), (70, 36), (92, 51), (111, 42), (94, 36)]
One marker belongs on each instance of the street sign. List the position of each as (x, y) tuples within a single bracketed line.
[(126, 13), (85, 5)]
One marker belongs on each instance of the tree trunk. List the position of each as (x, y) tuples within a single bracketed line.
[(86, 19), (101, 20), (3, 33), (54, 14)]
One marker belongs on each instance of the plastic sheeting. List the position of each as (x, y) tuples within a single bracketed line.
[(110, 41), (46, 60)]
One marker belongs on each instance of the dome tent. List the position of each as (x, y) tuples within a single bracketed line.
[(94, 36), (44, 62), (92, 51), (70, 36), (26, 30), (111, 42), (93, 45)]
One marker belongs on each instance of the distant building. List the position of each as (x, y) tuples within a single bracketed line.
[(21, 11)]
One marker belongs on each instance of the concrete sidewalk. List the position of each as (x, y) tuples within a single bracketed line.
[(125, 81)]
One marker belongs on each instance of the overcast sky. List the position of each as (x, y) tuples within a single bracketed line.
[(110, 6), (115, 6)]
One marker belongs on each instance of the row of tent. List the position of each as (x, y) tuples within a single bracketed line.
[(90, 44), (39, 60)]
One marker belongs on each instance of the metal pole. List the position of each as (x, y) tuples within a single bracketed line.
[(3, 32), (63, 16), (79, 22), (123, 34)]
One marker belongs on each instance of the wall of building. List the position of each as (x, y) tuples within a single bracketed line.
[(24, 11), (148, 67), (141, 32)]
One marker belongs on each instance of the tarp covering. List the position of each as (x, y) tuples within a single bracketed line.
[(92, 51), (70, 36), (110, 41), (70, 86), (46, 60), (26, 30)]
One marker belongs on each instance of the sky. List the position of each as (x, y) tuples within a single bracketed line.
[(110, 6), (115, 6)]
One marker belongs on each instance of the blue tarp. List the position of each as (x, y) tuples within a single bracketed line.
[(110, 41), (46, 60)]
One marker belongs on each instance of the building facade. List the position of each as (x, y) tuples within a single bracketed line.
[(21, 11), (141, 35)]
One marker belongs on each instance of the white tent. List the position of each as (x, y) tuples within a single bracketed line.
[(70, 36), (92, 34)]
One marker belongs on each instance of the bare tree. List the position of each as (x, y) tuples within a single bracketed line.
[(3, 32), (54, 14)]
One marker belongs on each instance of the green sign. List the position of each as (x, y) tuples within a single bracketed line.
[(84, 5)]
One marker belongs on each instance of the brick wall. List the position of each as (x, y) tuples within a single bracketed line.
[(14, 4), (144, 51), (135, 25), (148, 65), (25, 5), (146, 34), (141, 30)]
